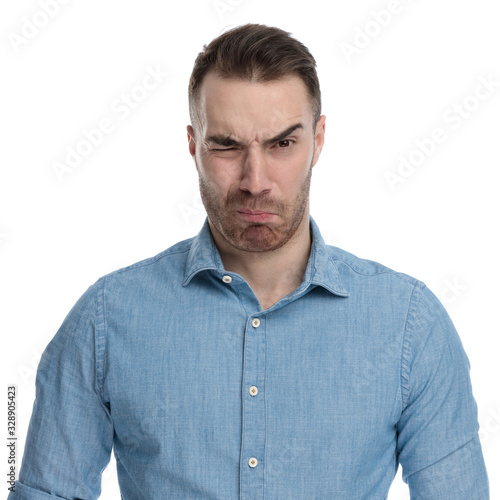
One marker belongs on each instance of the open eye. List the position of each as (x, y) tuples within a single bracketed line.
[(285, 144)]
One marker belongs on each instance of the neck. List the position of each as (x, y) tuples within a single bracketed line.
[(274, 273)]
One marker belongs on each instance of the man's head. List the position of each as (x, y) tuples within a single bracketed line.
[(256, 133), (255, 53)]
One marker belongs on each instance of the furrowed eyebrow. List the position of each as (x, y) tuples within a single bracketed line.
[(285, 133), (226, 141)]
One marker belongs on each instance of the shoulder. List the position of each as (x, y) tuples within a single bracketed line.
[(355, 269), (167, 261)]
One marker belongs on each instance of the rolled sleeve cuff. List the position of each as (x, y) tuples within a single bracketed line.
[(23, 492)]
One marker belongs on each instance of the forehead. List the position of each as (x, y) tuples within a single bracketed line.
[(252, 111)]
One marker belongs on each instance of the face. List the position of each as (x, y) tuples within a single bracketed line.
[(254, 149)]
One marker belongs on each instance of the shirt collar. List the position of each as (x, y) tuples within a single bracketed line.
[(321, 268)]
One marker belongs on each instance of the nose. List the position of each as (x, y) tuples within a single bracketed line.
[(255, 173)]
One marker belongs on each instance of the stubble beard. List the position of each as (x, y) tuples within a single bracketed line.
[(252, 236)]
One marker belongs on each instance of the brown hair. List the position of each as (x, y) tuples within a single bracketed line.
[(256, 53)]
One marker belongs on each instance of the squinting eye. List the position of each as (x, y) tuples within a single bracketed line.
[(226, 149), (287, 143)]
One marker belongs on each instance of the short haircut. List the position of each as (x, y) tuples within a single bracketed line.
[(255, 53)]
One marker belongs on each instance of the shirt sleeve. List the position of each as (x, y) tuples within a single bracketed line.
[(70, 435), (438, 443)]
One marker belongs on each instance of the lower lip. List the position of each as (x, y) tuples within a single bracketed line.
[(257, 217)]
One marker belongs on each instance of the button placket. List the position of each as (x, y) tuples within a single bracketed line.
[(254, 412)]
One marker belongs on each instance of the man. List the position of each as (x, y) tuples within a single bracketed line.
[(253, 360)]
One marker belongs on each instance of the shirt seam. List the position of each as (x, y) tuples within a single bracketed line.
[(404, 276), (406, 344), (100, 336)]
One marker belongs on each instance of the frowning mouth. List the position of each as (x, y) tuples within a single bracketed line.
[(256, 215), (253, 212)]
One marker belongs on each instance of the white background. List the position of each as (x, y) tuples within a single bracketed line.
[(136, 192)]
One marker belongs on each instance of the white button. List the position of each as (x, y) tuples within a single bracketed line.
[(253, 391), (227, 279), (255, 322), (252, 462)]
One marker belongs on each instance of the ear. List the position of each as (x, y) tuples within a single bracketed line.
[(319, 138), (191, 141)]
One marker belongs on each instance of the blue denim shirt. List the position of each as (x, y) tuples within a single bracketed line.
[(204, 395)]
